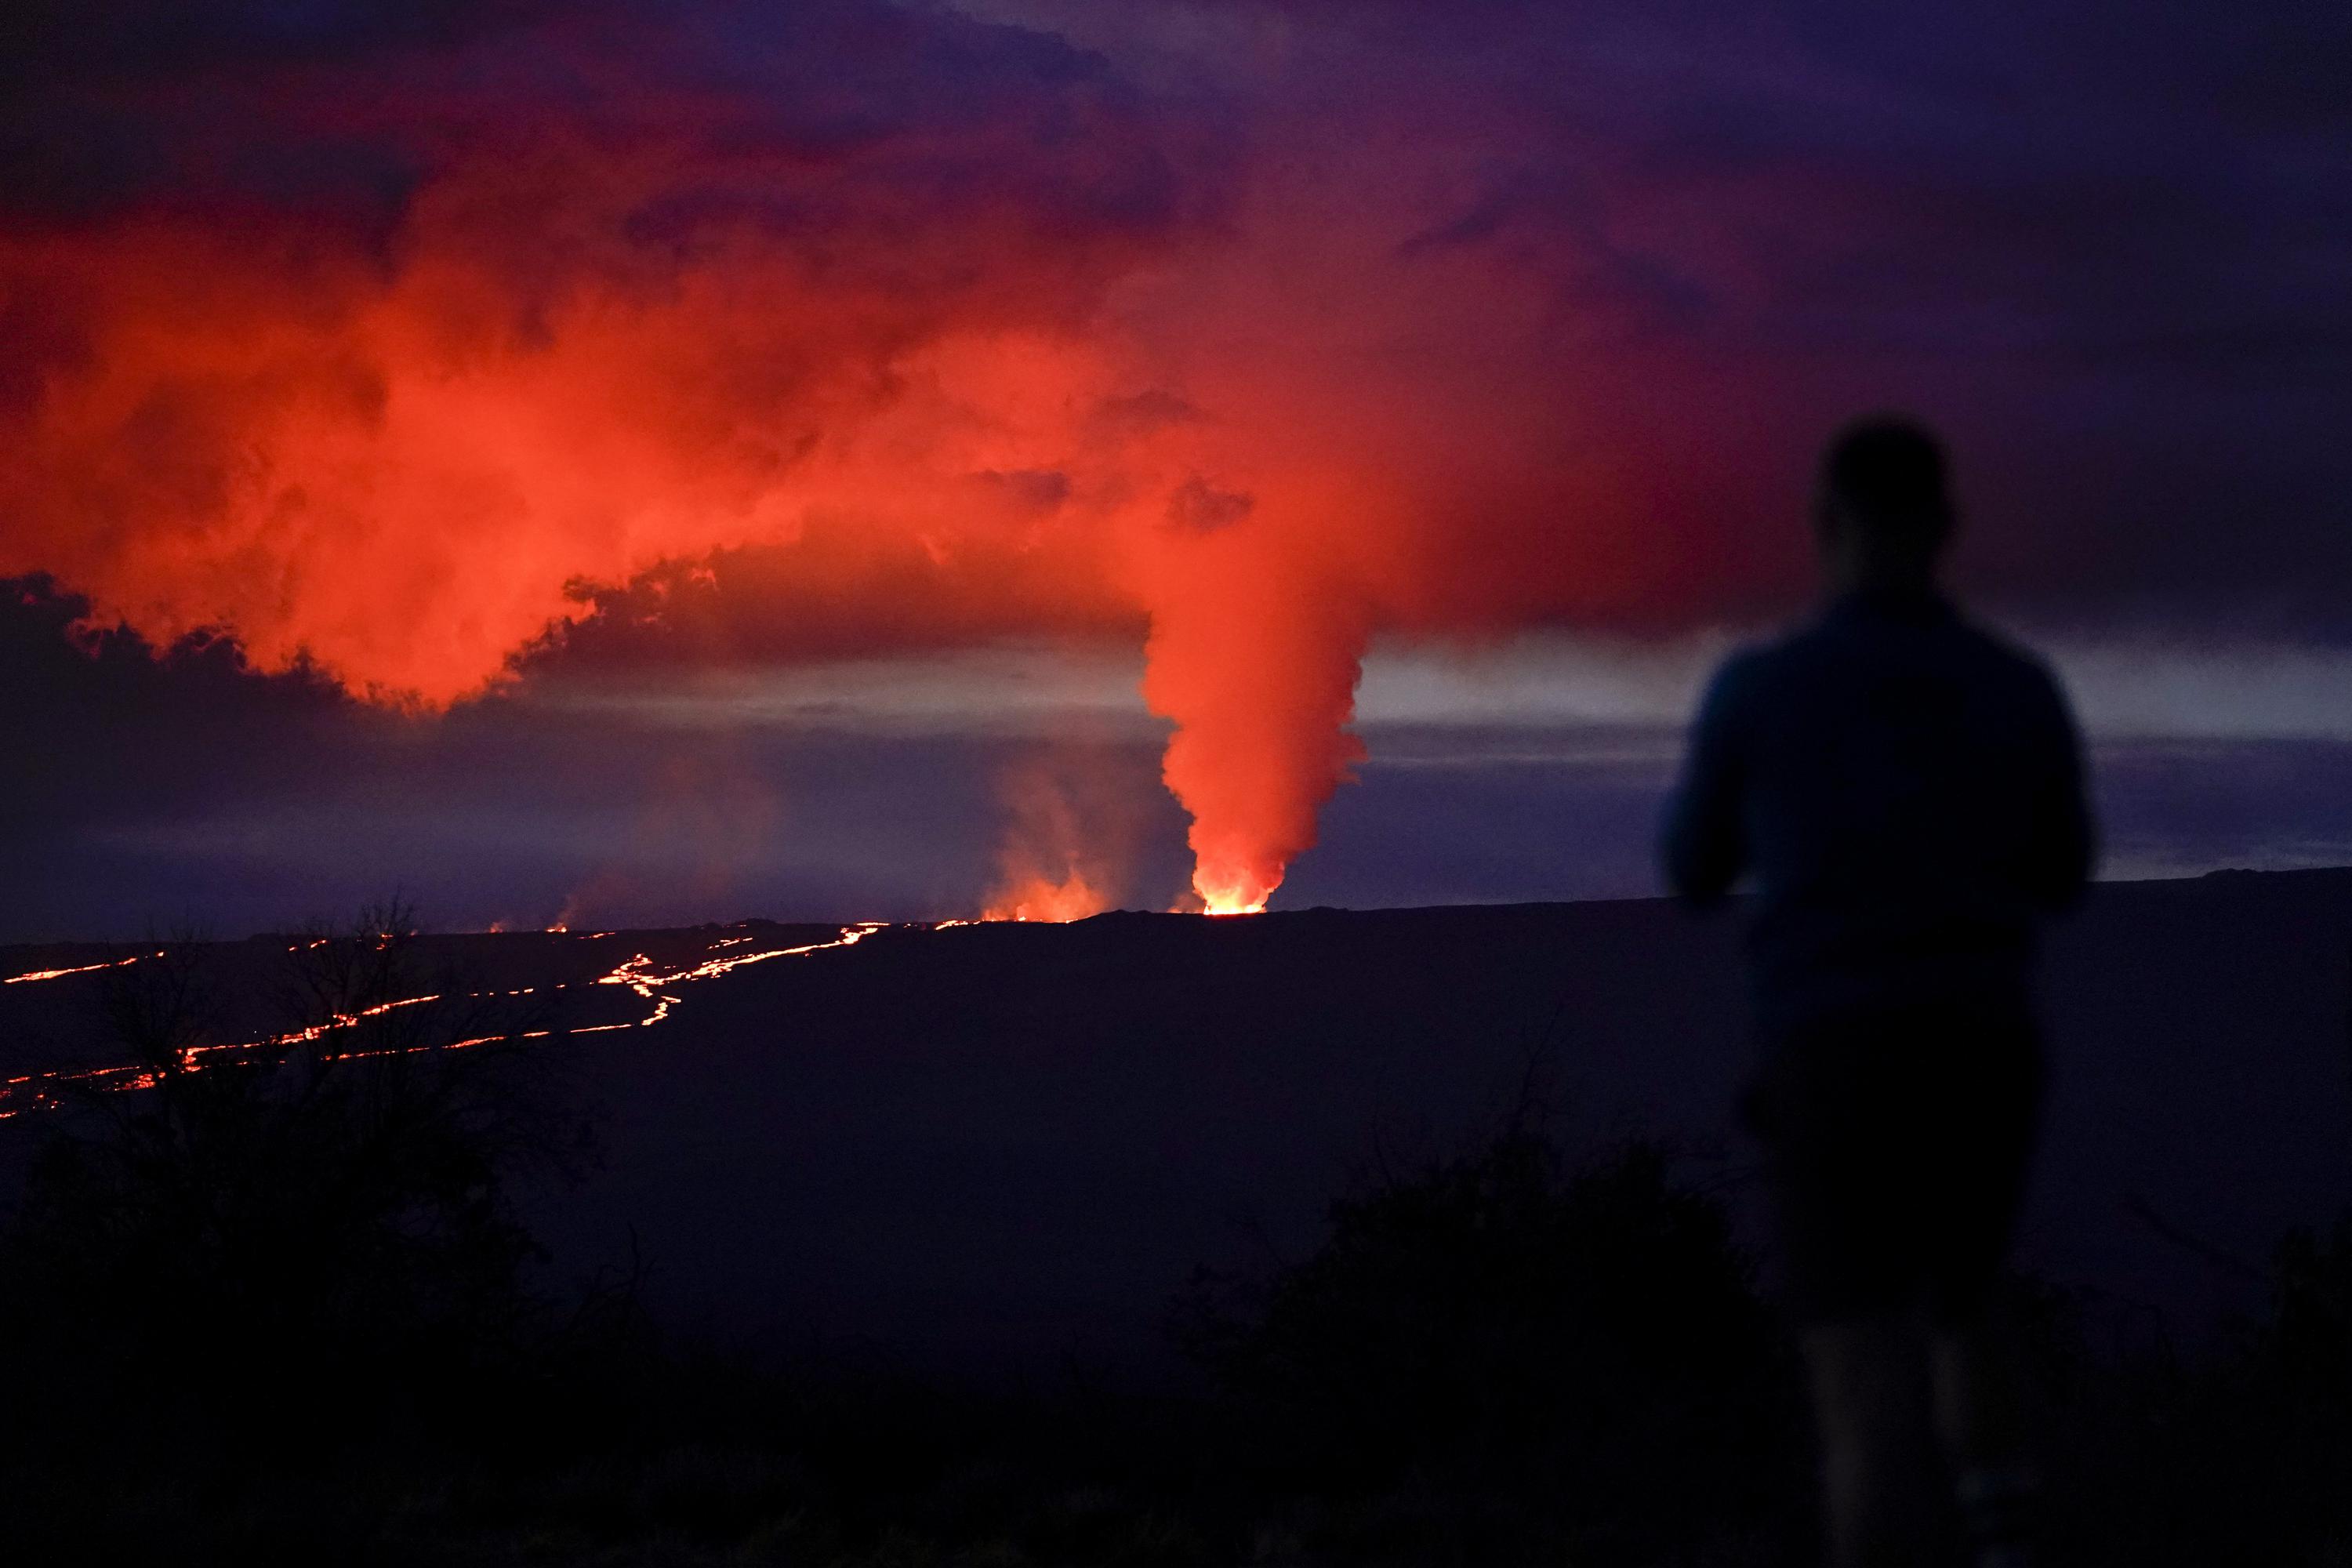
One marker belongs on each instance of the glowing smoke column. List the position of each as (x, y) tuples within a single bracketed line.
[(1257, 664)]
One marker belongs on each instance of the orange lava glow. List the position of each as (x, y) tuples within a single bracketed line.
[(638, 974), (1057, 903), (1232, 907), (1234, 893)]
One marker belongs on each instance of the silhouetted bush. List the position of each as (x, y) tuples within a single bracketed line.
[(295, 1237), (278, 1306), (2237, 1450), (1584, 1343), (2309, 1339)]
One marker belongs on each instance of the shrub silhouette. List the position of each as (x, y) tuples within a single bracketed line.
[(2231, 1447), (1590, 1337), (264, 1232), (280, 1308), (2309, 1339)]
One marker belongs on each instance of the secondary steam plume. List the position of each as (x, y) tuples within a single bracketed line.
[(1051, 867)]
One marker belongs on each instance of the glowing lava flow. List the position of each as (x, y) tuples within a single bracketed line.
[(78, 969), (638, 974)]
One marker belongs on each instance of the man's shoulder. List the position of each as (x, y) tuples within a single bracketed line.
[(2003, 657), (1743, 672), (1778, 659), (1825, 653)]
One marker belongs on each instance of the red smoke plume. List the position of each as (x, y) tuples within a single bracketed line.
[(1043, 362), (1078, 813)]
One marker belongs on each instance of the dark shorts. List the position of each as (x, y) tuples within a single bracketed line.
[(1895, 1151)]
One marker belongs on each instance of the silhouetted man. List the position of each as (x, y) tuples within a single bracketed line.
[(1906, 792)]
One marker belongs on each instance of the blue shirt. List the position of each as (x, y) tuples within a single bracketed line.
[(1907, 791)]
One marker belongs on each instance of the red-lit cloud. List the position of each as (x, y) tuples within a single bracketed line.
[(395, 358)]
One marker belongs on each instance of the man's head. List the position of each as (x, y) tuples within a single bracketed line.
[(1881, 512)]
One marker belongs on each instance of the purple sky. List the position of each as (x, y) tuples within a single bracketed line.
[(1569, 294)]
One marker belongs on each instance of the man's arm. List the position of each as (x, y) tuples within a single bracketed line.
[(1703, 847), (2064, 844)]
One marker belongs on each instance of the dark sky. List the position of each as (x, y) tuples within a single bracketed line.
[(641, 462)]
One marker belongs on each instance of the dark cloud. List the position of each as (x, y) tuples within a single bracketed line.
[(113, 102), (145, 790), (104, 727), (154, 791)]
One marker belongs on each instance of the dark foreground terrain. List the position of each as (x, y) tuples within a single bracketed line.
[(1397, 1236)]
